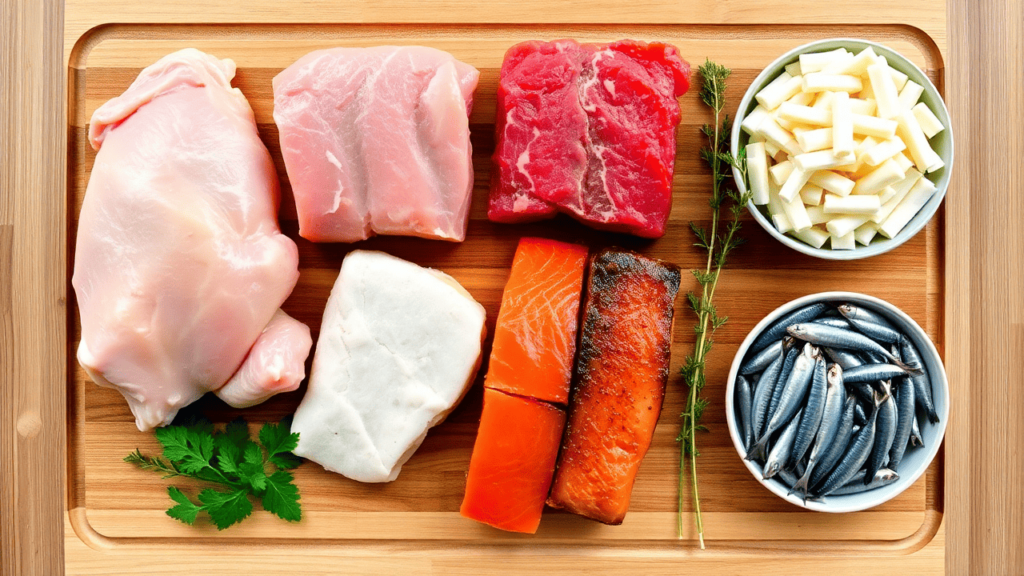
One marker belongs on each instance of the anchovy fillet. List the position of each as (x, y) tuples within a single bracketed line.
[(778, 330), (885, 433), (743, 400), (813, 411), (922, 386), (762, 359), (783, 448)]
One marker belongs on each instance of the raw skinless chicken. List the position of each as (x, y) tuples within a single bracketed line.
[(376, 141), (179, 261), (276, 363)]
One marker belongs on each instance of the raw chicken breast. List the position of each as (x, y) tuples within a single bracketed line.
[(376, 141), (179, 261), (276, 363), (398, 348)]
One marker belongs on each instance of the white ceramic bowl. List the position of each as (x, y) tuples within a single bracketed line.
[(942, 143), (915, 461)]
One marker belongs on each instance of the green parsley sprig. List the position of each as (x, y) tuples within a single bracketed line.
[(230, 459), (718, 243)]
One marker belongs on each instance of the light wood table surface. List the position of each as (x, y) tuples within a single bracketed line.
[(984, 278)]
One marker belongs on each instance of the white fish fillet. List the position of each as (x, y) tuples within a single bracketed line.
[(376, 141), (398, 348), (179, 261)]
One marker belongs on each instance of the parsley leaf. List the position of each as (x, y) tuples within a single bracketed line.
[(226, 508), (185, 511), (232, 460), (279, 442), (282, 497)]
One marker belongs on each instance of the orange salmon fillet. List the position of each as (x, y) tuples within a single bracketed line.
[(513, 461), (619, 383), (535, 338)]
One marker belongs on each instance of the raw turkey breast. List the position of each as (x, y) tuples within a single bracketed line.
[(588, 130), (398, 348), (179, 262), (376, 141)]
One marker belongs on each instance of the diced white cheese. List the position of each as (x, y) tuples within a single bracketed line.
[(817, 61), (883, 151), (778, 91), (903, 161), (813, 236), (886, 96), (811, 194), (804, 114), (885, 175), (861, 205), (910, 94), (752, 120), (782, 223), (865, 233), (858, 66), (771, 148), (839, 65), (796, 213), (780, 172), (817, 215), (820, 160), (814, 140), (846, 242), (863, 107), (917, 144), (833, 182), (858, 152), (873, 126), (842, 125), (886, 194), (794, 68), (802, 98), (790, 191), (779, 136), (908, 208), (823, 100), (902, 188), (844, 224), (929, 123), (819, 82), (757, 172)]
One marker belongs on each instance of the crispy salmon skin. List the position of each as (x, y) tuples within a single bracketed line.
[(618, 385)]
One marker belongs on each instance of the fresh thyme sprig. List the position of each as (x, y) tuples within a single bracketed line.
[(718, 244)]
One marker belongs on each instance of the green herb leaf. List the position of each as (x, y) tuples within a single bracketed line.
[(282, 497), (229, 459), (226, 508), (185, 511), (718, 243)]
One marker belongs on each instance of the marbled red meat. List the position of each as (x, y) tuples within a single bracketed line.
[(588, 130)]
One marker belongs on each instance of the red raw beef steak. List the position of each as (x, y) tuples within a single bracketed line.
[(589, 130)]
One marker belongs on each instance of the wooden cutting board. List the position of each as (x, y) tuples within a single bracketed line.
[(115, 521)]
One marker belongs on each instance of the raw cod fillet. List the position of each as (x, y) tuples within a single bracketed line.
[(398, 348), (179, 261), (526, 387), (376, 141), (619, 385), (588, 130)]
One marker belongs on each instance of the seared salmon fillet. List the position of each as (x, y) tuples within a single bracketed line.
[(618, 385), (535, 337), (513, 461)]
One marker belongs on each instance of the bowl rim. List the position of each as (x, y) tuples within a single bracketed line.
[(916, 224), (840, 504)]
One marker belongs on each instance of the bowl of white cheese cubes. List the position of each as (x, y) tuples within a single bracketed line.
[(848, 148)]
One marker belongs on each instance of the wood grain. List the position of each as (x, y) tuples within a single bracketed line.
[(985, 276), (984, 502), (32, 287)]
